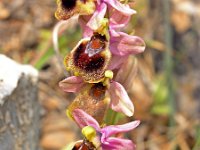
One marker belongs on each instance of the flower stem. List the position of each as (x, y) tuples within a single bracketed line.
[(168, 61), (111, 117), (197, 144)]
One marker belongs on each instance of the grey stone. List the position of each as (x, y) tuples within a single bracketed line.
[(19, 106)]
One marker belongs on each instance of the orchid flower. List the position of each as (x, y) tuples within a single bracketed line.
[(90, 58), (119, 102), (102, 138), (93, 99), (92, 13), (121, 44), (119, 14)]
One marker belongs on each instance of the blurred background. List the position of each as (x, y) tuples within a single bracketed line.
[(165, 91)]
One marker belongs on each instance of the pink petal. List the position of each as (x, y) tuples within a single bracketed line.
[(83, 119), (116, 62), (114, 129), (95, 21), (127, 72), (120, 100), (71, 84), (126, 44), (118, 144), (118, 20), (87, 31), (113, 32), (125, 9)]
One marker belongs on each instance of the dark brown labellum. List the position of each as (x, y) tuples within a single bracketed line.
[(68, 4), (93, 100), (67, 8), (90, 58), (97, 91), (85, 145), (83, 61)]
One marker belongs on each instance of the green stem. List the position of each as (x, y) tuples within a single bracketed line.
[(197, 144), (114, 118), (168, 59), (111, 117)]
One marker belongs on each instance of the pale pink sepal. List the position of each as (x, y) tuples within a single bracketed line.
[(96, 20), (118, 144), (108, 131), (113, 33), (120, 100), (125, 9), (71, 84), (83, 119), (118, 20), (116, 62), (126, 44), (87, 31)]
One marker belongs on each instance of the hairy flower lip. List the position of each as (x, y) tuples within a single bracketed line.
[(67, 9), (93, 99), (81, 144), (89, 64)]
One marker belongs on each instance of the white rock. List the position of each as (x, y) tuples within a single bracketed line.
[(10, 73), (19, 106)]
